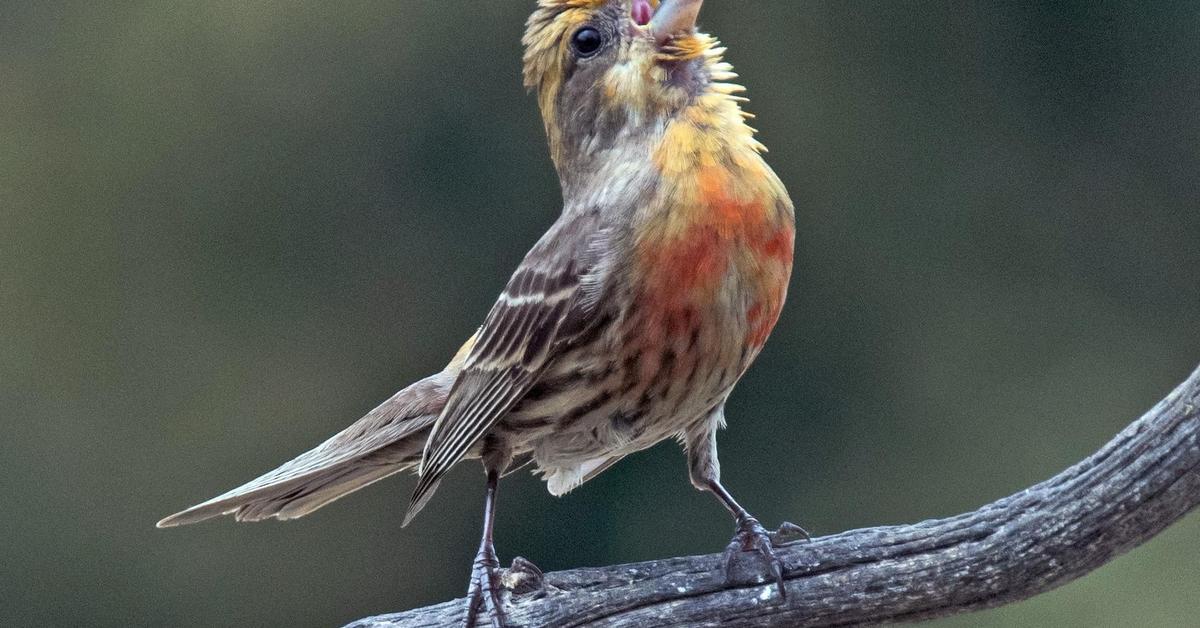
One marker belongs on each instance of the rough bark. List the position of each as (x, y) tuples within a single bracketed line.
[(1139, 483)]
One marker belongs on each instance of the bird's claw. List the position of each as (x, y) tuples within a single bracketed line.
[(750, 556), (485, 606), (523, 577), (789, 533)]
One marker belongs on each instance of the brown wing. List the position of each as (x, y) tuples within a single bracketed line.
[(522, 331)]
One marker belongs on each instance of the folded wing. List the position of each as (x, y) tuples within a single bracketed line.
[(540, 307)]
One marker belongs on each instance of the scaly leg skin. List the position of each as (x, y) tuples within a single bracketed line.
[(484, 600)]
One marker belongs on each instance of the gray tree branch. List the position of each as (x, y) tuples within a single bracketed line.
[(1143, 480)]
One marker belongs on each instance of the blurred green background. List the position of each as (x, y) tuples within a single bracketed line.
[(227, 229)]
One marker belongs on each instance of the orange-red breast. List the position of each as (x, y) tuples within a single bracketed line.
[(633, 317)]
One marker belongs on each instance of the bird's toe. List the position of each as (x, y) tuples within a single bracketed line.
[(485, 602), (750, 556), (523, 577), (789, 533)]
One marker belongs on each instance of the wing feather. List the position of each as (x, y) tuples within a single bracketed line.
[(520, 334)]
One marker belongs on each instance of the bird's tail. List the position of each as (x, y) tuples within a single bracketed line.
[(388, 440)]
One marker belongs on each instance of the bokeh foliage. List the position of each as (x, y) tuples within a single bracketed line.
[(227, 229)]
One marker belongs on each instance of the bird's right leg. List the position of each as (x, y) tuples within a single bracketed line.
[(485, 604), (483, 596)]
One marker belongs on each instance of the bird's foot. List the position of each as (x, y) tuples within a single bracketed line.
[(485, 607), (750, 556), (485, 603)]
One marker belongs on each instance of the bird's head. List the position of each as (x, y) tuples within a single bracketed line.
[(607, 72)]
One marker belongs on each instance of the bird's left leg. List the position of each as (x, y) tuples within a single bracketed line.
[(751, 553)]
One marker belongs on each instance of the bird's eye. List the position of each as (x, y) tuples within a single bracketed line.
[(587, 41)]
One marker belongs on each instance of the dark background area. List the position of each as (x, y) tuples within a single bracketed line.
[(228, 229)]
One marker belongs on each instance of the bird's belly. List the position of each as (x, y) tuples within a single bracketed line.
[(649, 377)]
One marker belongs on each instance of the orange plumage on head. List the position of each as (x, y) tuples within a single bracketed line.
[(717, 202)]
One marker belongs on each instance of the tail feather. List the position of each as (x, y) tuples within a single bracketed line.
[(386, 441), (315, 493)]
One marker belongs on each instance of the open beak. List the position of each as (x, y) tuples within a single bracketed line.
[(675, 17)]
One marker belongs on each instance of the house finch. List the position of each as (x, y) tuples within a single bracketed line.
[(632, 318)]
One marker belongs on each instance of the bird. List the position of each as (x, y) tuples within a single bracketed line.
[(629, 321)]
